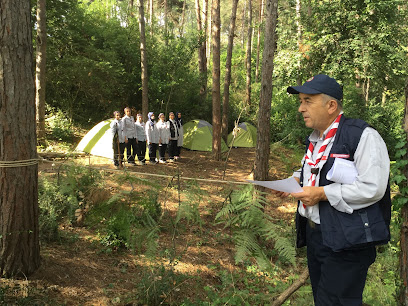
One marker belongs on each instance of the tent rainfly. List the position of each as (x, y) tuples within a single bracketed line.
[(245, 136), (198, 136), (98, 141)]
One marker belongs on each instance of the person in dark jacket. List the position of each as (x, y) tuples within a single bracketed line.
[(174, 135), (179, 122), (344, 209)]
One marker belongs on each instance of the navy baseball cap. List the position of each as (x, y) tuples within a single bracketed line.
[(319, 84)]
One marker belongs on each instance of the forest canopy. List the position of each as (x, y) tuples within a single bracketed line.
[(93, 60)]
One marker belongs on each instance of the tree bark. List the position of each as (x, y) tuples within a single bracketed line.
[(181, 28), (151, 17), (19, 231), (258, 42), (166, 42), (248, 55), (202, 59), (227, 81), (143, 62), (261, 168), (216, 94), (404, 218), (40, 71)]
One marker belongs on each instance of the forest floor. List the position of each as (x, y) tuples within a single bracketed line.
[(77, 270)]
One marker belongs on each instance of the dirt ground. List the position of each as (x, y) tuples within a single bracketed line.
[(76, 272)]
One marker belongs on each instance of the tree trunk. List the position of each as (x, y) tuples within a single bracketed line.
[(143, 62), (166, 42), (202, 59), (248, 55), (181, 28), (19, 242), (151, 18), (299, 40), (227, 81), (207, 21), (216, 94), (40, 71), (258, 42), (261, 168), (404, 219)]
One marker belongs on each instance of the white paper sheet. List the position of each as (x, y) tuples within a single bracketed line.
[(343, 171), (289, 185)]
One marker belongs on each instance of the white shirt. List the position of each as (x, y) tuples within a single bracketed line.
[(116, 126), (129, 129), (164, 132), (152, 134), (140, 131), (373, 166)]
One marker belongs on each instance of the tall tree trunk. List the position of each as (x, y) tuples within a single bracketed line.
[(202, 59), (19, 242), (166, 42), (151, 17), (299, 40), (243, 25), (40, 71), (258, 42), (207, 21), (264, 113), (216, 94), (143, 61), (248, 55), (404, 227), (181, 28), (227, 81)]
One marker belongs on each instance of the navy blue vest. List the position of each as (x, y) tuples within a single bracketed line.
[(342, 231)]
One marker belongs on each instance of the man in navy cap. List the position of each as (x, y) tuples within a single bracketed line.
[(345, 208)]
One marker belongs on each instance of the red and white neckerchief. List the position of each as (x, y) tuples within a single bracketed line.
[(320, 155)]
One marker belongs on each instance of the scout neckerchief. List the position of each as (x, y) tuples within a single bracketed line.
[(320, 157)]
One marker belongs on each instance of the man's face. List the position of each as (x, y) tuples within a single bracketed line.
[(171, 116), (127, 112), (314, 111), (117, 116)]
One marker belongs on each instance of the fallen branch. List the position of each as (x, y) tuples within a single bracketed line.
[(292, 288)]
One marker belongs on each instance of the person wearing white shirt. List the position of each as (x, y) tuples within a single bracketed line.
[(164, 137), (152, 137), (140, 139), (118, 140), (129, 132), (340, 223)]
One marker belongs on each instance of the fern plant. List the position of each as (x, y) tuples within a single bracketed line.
[(251, 228)]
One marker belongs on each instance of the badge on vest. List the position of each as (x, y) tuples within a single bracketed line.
[(340, 155)]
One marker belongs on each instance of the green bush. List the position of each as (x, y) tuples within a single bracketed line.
[(54, 206)]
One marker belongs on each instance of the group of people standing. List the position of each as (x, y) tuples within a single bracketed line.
[(134, 136)]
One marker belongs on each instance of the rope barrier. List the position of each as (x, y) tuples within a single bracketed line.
[(18, 163), (164, 175)]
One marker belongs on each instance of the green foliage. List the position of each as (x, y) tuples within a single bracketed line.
[(157, 285), (188, 209), (58, 199), (61, 127), (252, 227), (54, 206)]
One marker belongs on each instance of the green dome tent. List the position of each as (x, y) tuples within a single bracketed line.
[(198, 136), (245, 136), (98, 141)]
